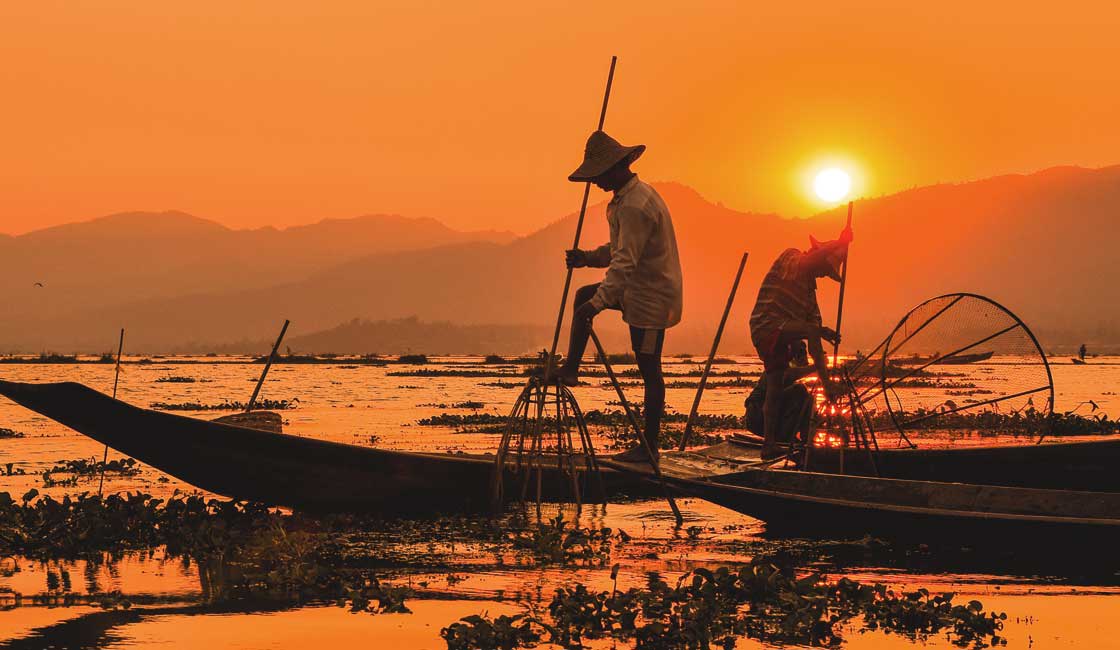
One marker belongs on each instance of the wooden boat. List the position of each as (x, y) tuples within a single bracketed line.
[(311, 474), (832, 503), (960, 359), (954, 360), (287, 470)]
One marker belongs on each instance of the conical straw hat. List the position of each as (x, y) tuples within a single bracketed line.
[(601, 153)]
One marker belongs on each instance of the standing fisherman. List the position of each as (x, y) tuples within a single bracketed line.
[(786, 312), (643, 277)]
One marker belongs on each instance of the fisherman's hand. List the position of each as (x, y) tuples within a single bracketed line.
[(830, 335), (575, 258), (832, 390), (586, 312), (846, 235)]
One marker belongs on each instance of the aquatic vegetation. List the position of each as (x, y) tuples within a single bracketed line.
[(176, 379), (474, 406), (243, 550), (9, 469), (1027, 422), (709, 608), (414, 359), (87, 467), (455, 372), (556, 542), (502, 633), (261, 404), (42, 527), (476, 421), (6, 433)]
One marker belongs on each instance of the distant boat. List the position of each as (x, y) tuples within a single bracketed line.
[(1077, 362), (959, 359), (954, 360)]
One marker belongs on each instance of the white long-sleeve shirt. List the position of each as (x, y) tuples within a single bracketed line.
[(643, 267)]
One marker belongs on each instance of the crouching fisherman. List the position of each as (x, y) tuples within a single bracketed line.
[(796, 401), (643, 278), (786, 312)]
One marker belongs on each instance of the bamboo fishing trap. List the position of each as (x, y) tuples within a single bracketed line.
[(914, 380)]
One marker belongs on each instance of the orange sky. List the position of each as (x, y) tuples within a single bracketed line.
[(281, 112)]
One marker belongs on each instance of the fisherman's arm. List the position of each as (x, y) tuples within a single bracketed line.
[(814, 333), (634, 230), (599, 258)]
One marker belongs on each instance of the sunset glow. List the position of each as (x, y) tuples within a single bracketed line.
[(832, 184)]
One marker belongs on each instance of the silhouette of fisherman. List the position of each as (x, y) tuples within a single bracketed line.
[(796, 400), (1082, 351), (786, 312), (643, 278)]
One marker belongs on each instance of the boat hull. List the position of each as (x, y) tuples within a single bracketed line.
[(830, 504), (293, 471), (1074, 465)]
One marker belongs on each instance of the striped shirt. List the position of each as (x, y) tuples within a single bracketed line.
[(786, 295), (643, 267)]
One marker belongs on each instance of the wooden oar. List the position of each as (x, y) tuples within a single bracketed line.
[(267, 365), (116, 380), (712, 355), (579, 231), (653, 461)]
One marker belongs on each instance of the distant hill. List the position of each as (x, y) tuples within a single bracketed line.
[(131, 257), (1042, 243), (400, 336)]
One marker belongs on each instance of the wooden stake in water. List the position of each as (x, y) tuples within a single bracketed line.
[(712, 355), (116, 380), (267, 365)]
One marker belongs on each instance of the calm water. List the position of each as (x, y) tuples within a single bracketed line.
[(1053, 601)]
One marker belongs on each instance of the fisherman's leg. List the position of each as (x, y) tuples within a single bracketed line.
[(775, 363), (647, 345), (580, 333), (771, 411)]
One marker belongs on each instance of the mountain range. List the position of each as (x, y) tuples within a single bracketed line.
[(1042, 244)]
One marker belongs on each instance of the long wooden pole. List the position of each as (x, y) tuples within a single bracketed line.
[(839, 319), (267, 365), (712, 355), (116, 380), (653, 460), (579, 231), (843, 285)]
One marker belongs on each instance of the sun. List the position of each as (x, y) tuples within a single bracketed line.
[(832, 184)]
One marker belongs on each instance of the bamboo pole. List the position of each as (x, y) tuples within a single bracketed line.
[(839, 319), (116, 380), (267, 365), (579, 232), (653, 460), (712, 355), (843, 286)]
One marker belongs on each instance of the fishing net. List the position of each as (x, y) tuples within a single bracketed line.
[(959, 362)]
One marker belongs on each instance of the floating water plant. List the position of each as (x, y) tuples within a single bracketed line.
[(713, 608)]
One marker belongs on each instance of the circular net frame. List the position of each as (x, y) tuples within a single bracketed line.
[(957, 363)]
